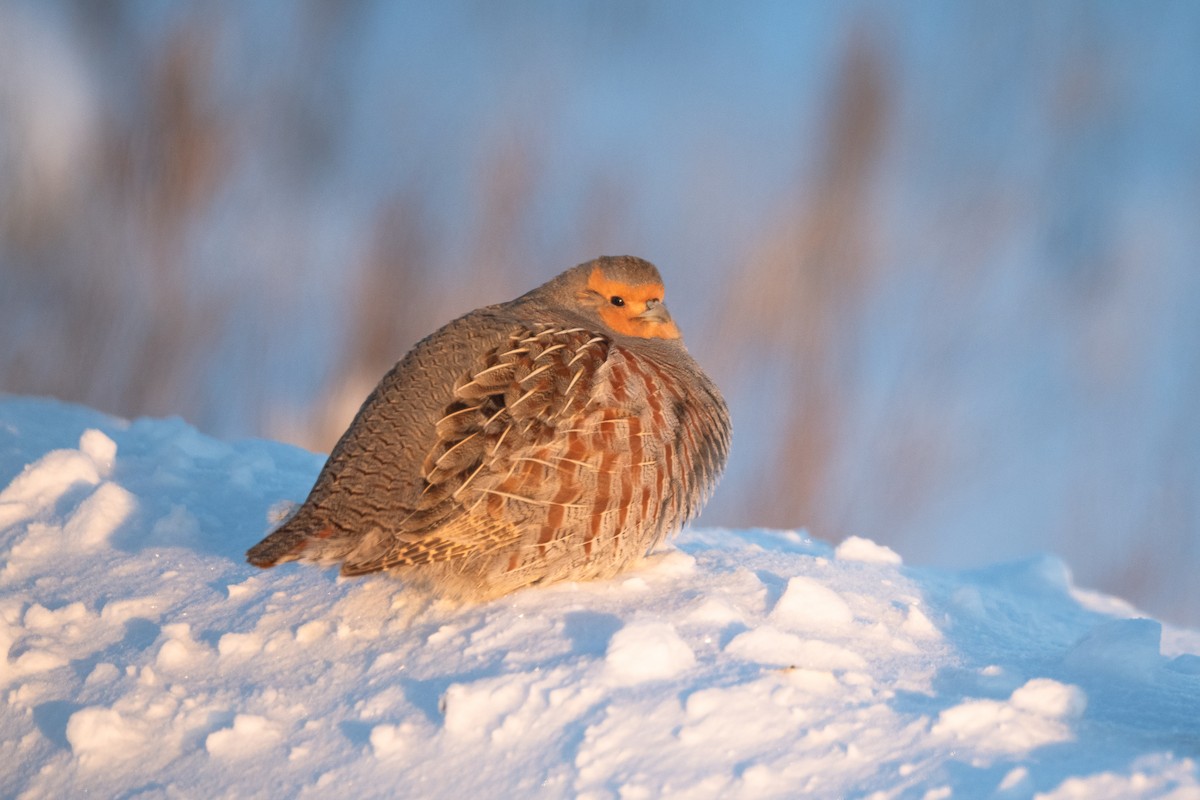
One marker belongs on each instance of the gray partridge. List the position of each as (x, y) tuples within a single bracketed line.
[(558, 436)]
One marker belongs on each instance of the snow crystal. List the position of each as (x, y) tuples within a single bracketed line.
[(138, 650)]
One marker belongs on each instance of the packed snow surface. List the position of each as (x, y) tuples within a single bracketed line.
[(141, 657)]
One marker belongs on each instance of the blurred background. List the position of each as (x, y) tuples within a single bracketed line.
[(941, 257)]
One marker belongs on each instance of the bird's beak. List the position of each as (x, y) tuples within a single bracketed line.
[(655, 312), (657, 321)]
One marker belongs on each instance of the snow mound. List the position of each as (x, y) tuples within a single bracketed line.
[(647, 651), (1037, 714), (855, 548), (139, 655)]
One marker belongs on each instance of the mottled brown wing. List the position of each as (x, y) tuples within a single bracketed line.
[(559, 456)]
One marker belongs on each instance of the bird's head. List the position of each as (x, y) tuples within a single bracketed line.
[(626, 294)]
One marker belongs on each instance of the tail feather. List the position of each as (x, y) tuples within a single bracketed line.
[(288, 541), (283, 544)]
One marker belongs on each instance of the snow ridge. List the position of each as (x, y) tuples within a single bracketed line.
[(140, 656)]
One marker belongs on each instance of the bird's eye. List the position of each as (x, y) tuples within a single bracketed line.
[(618, 301)]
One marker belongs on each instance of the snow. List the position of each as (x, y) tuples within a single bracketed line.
[(142, 657), (855, 548), (647, 651)]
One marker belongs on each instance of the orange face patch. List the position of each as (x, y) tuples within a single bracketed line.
[(627, 309)]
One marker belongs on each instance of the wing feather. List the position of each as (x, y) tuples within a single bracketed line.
[(562, 454)]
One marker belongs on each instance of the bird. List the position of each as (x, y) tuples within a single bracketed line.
[(559, 436)]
